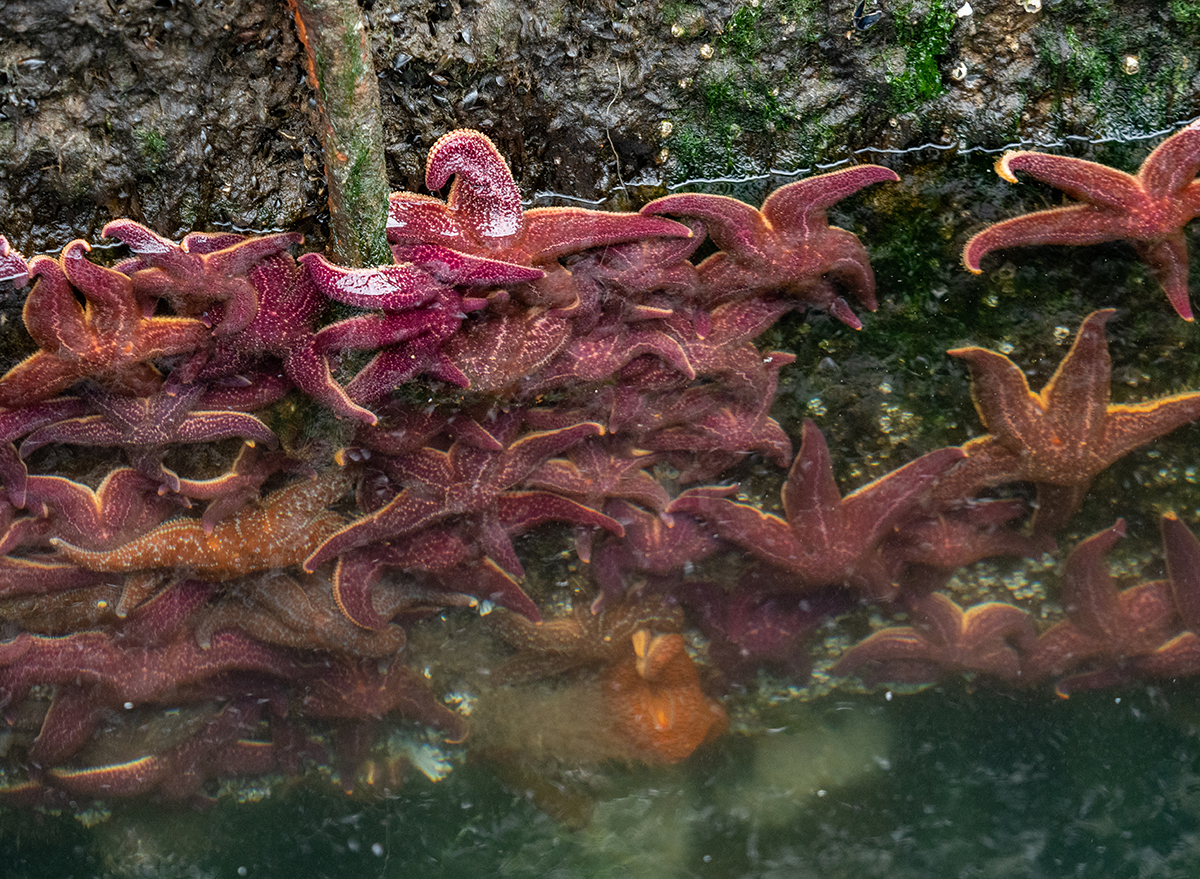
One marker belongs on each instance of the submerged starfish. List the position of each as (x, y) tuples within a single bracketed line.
[(1061, 438), (281, 531), (826, 540), (1149, 209), (789, 245), (145, 426), (106, 338), (943, 639)]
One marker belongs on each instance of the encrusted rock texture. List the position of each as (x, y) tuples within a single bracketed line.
[(196, 113)]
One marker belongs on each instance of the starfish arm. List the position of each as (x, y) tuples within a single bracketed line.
[(238, 258), (520, 511), (1089, 593), (1167, 258), (309, 371), (1173, 165), (767, 537), (356, 574), (998, 623), (1006, 405), (799, 204), (1075, 400), (847, 263), (1083, 181), (403, 515), (1057, 504), (811, 495), (456, 267), (900, 654), (166, 336), (109, 293), (391, 288), (522, 456), (203, 427), (91, 430), (1130, 425), (499, 587), (873, 510), (12, 266), (38, 376), (551, 233), (73, 716), (1182, 550), (736, 228), (1178, 657), (1071, 225), (422, 219), (52, 315), (483, 194)]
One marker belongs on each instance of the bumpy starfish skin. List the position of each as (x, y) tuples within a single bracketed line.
[(146, 426), (826, 540), (12, 266), (461, 481), (288, 525), (1061, 438), (944, 639), (1149, 209), (482, 214), (202, 269), (106, 338), (789, 245), (288, 303)]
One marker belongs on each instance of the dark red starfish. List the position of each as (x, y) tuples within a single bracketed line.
[(204, 269), (145, 426), (1149, 209), (789, 245), (988, 639), (826, 540), (1061, 438)]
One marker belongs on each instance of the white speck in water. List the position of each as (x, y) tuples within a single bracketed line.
[(377, 850)]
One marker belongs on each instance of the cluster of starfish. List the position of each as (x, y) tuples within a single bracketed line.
[(588, 372)]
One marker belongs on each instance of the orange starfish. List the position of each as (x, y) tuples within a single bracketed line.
[(1061, 438), (280, 531), (656, 701)]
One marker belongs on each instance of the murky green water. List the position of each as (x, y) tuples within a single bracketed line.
[(943, 783)]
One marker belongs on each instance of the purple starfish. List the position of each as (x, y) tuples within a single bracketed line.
[(203, 269), (12, 265), (146, 426), (788, 246), (106, 338)]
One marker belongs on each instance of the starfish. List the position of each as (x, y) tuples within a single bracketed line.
[(788, 246), (12, 266), (1149, 209), (594, 471), (508, 347), (1104, 627), (580, 638), (462, 481), (987, 639), (278, 608), (146, 426), (203, 269), (280, 531), (826, 540), (657, 705), (288, 303), (125, 504), (106, 338), (482, 214), (15, 423), (1061, 438)]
